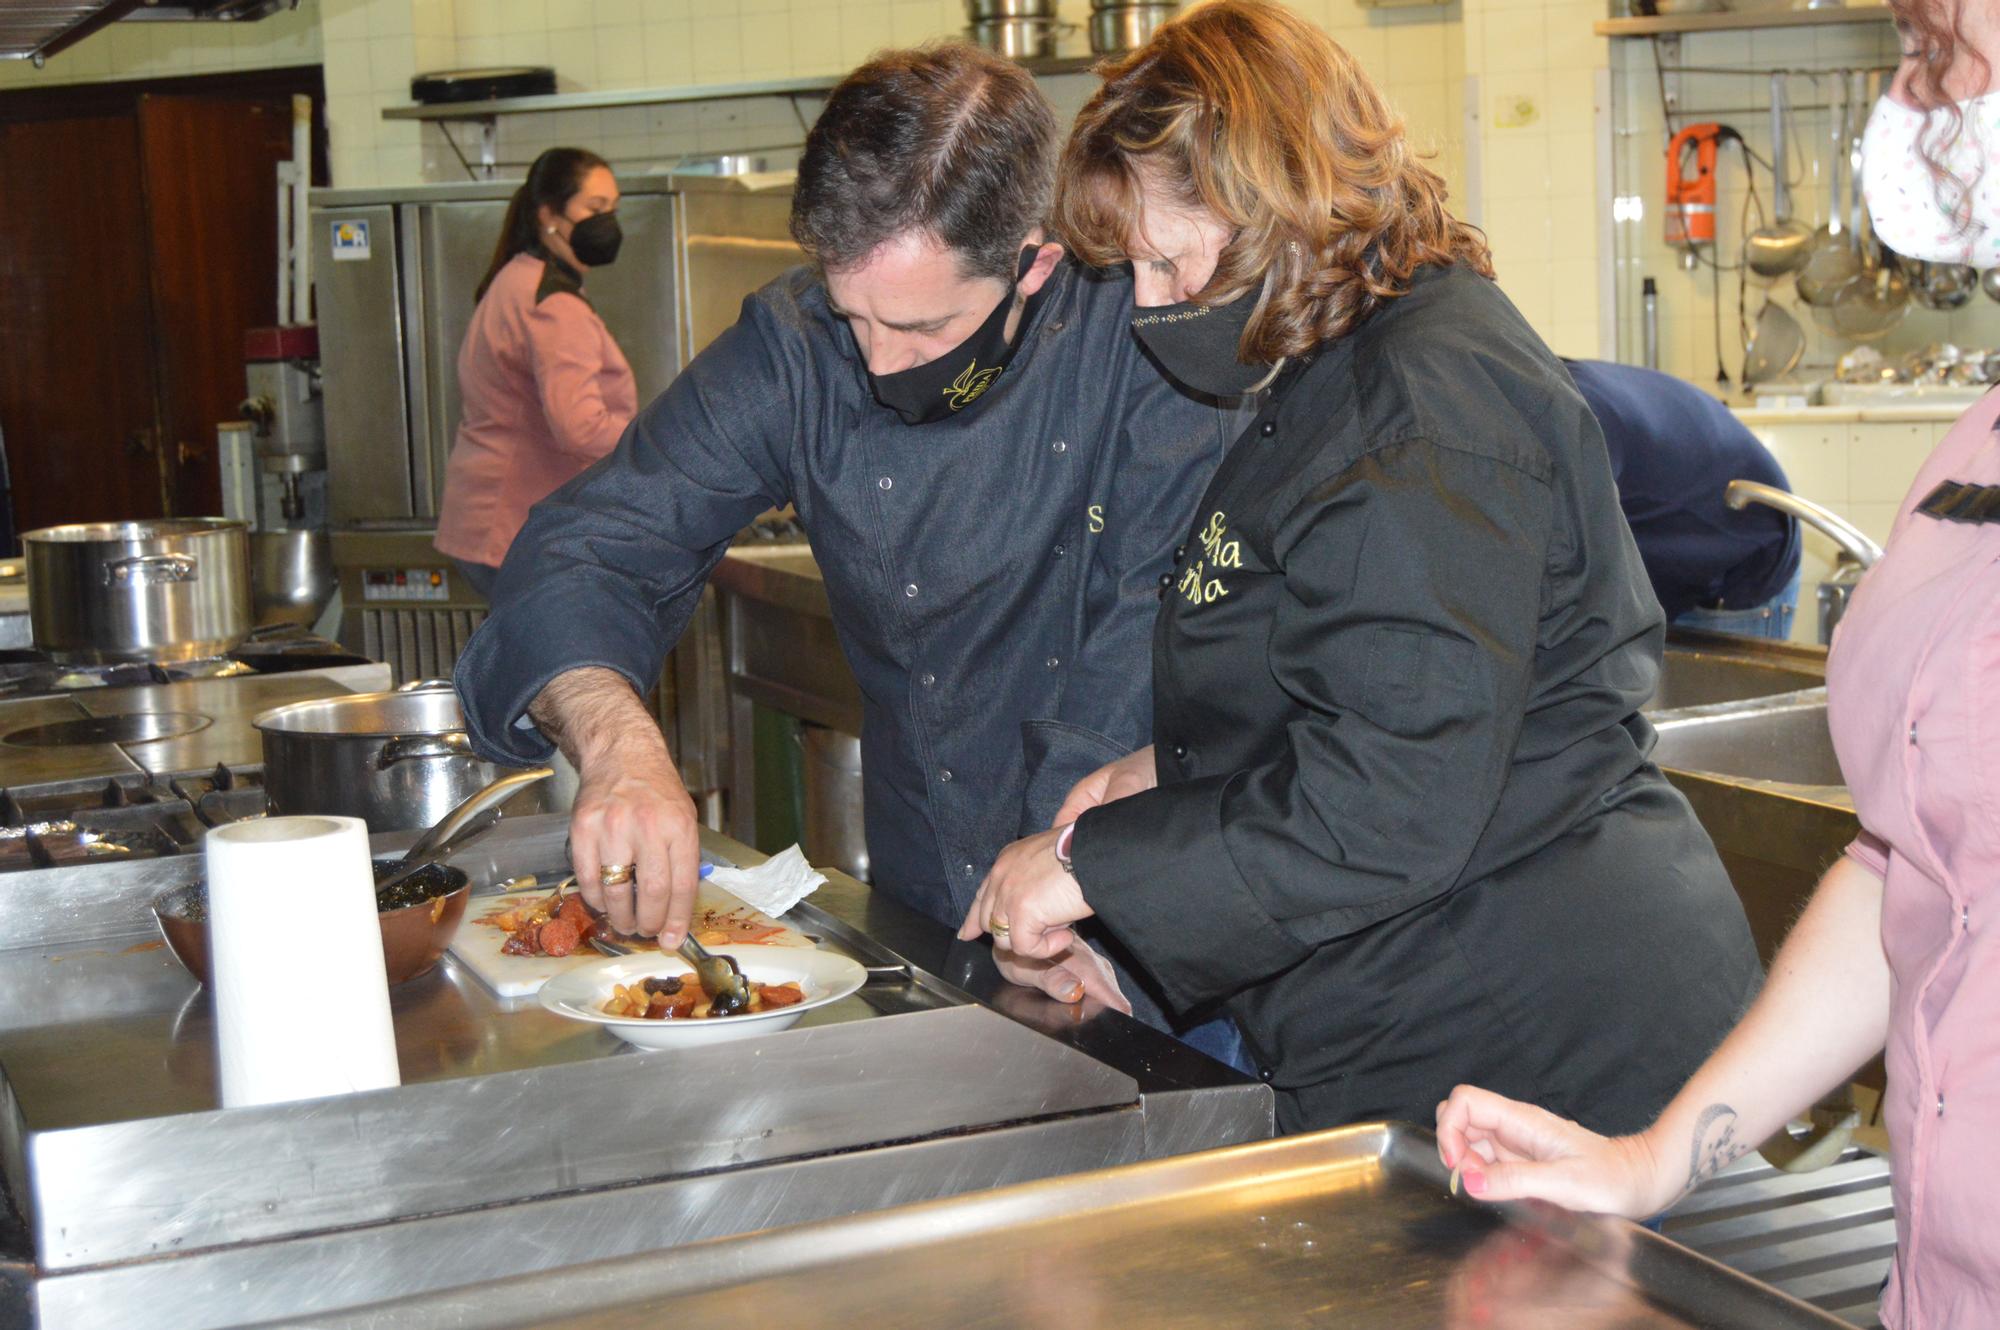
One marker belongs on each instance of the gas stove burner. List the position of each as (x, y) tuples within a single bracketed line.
[(133, 729)]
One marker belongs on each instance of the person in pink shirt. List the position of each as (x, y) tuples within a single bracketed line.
[(1899, 949), (544, 389)]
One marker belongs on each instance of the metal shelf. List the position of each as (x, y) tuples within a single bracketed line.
[(696, 92), (1677, 24)]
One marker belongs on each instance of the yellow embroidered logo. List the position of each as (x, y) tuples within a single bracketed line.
[(968, 385), (1218, 552), (1096, 515)]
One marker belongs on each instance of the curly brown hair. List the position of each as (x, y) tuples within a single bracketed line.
[(1934, 40), (1257, 116)]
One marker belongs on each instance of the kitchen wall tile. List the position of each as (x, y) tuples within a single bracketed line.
[(1516, 40), (1883, 460), (815, 40), (1413, 53), (618, 13), (621, 56), (767, 44), (573, 52), (718, 50), (864, 29), (346, 70), (669, 52)]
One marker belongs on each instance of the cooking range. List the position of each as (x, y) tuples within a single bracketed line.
[(136, 761)]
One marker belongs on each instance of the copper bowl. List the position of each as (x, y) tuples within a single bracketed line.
[(413, 937)]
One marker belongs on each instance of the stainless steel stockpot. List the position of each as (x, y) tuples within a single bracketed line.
[(397, 761), (168, 589), (1126, 27), (1016, 38), (982, 11)]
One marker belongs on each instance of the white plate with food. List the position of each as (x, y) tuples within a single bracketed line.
[(784, 984)]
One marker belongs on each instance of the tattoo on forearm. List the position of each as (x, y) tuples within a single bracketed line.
[(1715, 1146)]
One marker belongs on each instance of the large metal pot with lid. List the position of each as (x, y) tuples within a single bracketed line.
[(397, 760), (107, 593)]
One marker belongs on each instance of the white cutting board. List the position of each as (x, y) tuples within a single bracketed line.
[(477, 946)]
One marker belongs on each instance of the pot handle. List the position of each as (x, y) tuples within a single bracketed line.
[(453, 743), (150, 569)]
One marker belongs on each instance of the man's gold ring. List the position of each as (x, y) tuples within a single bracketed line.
[(997, 927), (614, 875)]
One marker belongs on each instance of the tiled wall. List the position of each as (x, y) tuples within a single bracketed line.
[(1687, 301), (161, 50)]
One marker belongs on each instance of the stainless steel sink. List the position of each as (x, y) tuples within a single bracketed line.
[(1693, 676), (1784, 741)]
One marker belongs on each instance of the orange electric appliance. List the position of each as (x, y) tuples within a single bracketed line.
[(1690, 210)]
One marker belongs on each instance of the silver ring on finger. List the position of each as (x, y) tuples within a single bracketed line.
[(614, 875)]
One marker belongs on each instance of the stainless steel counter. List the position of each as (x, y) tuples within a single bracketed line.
[(519, 1142), (1350, 1228)]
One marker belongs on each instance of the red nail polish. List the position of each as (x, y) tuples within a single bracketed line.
[(1474, 1182)]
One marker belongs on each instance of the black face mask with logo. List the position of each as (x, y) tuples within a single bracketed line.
[(942, 388), (595, 239), (1198, 344)]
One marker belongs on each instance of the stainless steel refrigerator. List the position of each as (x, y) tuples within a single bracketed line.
[(395, 271)]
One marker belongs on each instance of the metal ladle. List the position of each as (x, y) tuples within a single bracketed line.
[(1834, 258), (474, 815), (1782, 245)]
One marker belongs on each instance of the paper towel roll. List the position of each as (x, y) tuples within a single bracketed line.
[(297, 1021)]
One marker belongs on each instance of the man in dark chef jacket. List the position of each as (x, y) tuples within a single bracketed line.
[(992, 475), (1674, 450)]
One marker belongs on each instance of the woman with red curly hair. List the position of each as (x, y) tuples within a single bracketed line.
[(1399, 820), (1898, 952)]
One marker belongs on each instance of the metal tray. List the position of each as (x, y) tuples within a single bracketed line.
[(1349, 1228)]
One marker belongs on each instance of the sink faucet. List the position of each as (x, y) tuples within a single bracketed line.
[(1857, 552), (1853, 544)]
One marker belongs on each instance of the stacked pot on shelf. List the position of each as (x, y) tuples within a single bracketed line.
[(1028, 29)]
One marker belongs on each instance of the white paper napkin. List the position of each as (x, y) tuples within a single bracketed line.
[(301, 989), (775, 885)]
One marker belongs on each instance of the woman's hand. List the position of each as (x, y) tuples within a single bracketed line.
[(1076, 974), (1133, 773), (1508, 1151), (1028, 901)]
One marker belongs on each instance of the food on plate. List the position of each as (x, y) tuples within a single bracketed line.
[(561, 923), (679, 997)]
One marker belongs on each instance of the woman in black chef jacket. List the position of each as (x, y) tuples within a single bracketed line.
[(1399, 819)]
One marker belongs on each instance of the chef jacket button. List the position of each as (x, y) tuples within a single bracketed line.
[(968, 870), (910, 590), (1166, 580), (1940, 1105), (1061, 550), (1266, 1075), (944, 773), (1057, 325), (1268, 428), (1913, 731), (1180, 552), (926, 679), (1060, 445), (1054, 661), (886, 482), (1180, 752)]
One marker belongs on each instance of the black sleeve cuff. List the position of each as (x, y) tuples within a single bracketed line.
[(1156, 871)]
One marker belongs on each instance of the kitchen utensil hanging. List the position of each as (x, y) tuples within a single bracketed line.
[(1834, 257), (1939, 286), (1777, 344), (1779, 246), (1871, 306)]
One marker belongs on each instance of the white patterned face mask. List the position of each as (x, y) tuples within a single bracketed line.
[(1902, 194)]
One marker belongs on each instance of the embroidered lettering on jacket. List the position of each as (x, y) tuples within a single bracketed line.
[(1096, 515), (1218, 551)]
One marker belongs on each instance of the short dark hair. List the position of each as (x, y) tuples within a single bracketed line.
[(944, 139)]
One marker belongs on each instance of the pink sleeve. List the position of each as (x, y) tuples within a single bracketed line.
[(566, 342), (1869, 851)]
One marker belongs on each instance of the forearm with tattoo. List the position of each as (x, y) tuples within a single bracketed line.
[(1714, 1146)]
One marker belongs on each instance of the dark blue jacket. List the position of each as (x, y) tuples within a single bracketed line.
[(994, 577), (1674, 450)]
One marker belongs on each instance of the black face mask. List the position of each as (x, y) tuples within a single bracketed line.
[(595, 239), (941, 388), (1198, 344)]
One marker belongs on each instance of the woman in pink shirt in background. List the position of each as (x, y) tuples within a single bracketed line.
[(543, 388), (1899, 949)]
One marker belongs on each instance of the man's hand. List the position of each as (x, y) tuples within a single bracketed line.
[(1131, 774), (631, 808)]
